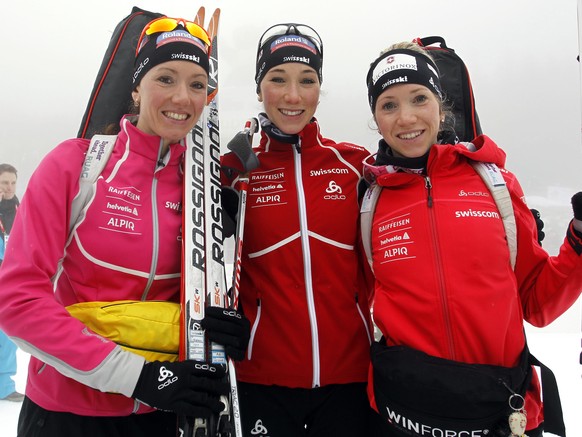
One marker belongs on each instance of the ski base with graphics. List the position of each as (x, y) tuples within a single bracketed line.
[(204, 277)]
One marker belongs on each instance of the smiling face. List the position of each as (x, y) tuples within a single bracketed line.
[(408, 118), (171, 98), (290, 95)]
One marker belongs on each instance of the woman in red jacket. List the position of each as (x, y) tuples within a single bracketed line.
[(447, 299), (302, 283)]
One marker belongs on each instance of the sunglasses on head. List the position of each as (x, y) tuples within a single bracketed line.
[(167, 24), (292, 29), (371, 171)]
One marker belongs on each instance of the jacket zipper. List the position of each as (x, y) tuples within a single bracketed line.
[(160, 164), (254, 329), (304, 232), (441, 280), (366, 327)]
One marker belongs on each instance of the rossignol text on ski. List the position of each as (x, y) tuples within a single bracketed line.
[(204, 279)]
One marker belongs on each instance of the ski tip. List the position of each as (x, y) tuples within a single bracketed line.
[(213, 24), (199, 19)]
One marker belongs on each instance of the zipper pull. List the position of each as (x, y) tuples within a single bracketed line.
[(428, 187), (297, 146)]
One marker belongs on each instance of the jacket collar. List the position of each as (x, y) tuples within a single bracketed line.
[(272, 139), (440, 157), (145, 144)]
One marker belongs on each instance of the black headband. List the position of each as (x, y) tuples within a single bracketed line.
[(401, 66), (175, 45), (281, 49)]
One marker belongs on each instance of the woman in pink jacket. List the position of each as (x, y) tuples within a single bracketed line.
[(127, 247), (453, 358)]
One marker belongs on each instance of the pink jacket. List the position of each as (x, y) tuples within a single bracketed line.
[(127, 247)]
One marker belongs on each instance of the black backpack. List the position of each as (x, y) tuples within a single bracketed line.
[(111, 95), (456, 84)]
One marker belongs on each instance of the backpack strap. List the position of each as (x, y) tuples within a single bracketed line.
[(430, 40), (95, 159), (553, 415), (492, 177), (367, 209)]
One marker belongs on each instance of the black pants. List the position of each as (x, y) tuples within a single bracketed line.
[(35, 421), (331, 411)]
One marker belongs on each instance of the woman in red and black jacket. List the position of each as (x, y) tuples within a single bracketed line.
[(303, 283), (446, 294)]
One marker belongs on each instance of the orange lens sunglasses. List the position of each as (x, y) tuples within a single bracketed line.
[(167, 24)]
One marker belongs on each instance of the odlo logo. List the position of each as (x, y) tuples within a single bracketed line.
[(166, 378), (260, 429), (334, 192)]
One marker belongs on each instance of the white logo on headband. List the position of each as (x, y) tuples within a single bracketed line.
[(293, 40), (430, 67), (180, 36), (185, 57), (397, 61)]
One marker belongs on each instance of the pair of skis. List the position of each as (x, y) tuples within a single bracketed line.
[(203, 276)]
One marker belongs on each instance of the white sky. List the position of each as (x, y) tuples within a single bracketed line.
[(521, 55)]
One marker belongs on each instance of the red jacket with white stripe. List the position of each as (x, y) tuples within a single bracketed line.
[(127, 247), (444, 283), (302, 285)]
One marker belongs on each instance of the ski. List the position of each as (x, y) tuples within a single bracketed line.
[(216, 275), (192, 295), (204, 276), (199, 19)]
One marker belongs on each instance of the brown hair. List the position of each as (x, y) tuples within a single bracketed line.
[(7, 168)]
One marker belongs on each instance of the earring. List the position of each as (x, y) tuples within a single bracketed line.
[(136, 103)]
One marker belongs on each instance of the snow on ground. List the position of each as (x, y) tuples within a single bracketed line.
[(558, 350)]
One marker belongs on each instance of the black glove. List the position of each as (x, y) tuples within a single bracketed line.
[(539, 225), (577, 208), (577, 205), (228, 327), (188, 387)]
